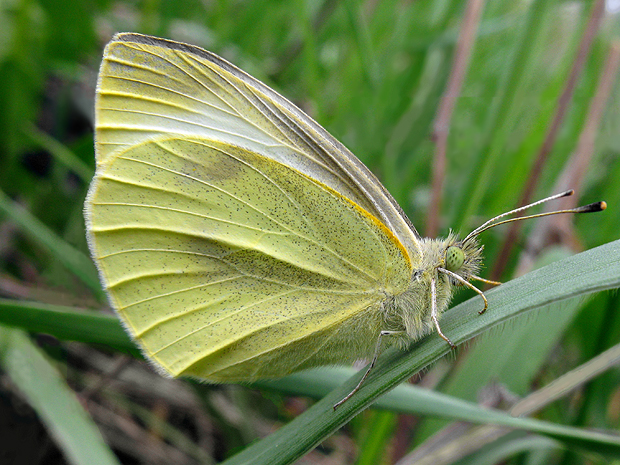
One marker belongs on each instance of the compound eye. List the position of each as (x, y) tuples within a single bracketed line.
[(455, 257)]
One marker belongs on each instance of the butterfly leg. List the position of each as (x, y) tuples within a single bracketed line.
[(434, 313), (382, 334), (486, 281), (464, 282)]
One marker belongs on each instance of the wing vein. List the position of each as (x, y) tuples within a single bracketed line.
[(257, 210)]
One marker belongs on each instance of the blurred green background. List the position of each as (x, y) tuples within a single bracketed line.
[(373, 74)]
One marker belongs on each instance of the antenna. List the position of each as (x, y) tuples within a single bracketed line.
[(590, 208)]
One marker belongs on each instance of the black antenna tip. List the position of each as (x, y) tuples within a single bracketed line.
[(568, 193), (593, 207)]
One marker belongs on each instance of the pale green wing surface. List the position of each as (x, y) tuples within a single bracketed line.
[(150, 87), (228, 265)]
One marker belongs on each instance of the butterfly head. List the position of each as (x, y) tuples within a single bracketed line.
[(461, 257)]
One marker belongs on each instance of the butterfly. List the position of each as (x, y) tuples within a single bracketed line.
[(237, 240)]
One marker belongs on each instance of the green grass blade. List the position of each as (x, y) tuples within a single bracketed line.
[(56, 404), (61, 153), (66, 323), (75, 261)]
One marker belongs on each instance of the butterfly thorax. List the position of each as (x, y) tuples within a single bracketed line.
[(411, 310)]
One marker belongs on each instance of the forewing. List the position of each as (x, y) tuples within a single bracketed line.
[(228, 265), (150, 87)]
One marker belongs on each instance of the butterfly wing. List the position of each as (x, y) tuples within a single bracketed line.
[(228, 265), (150, 87)]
